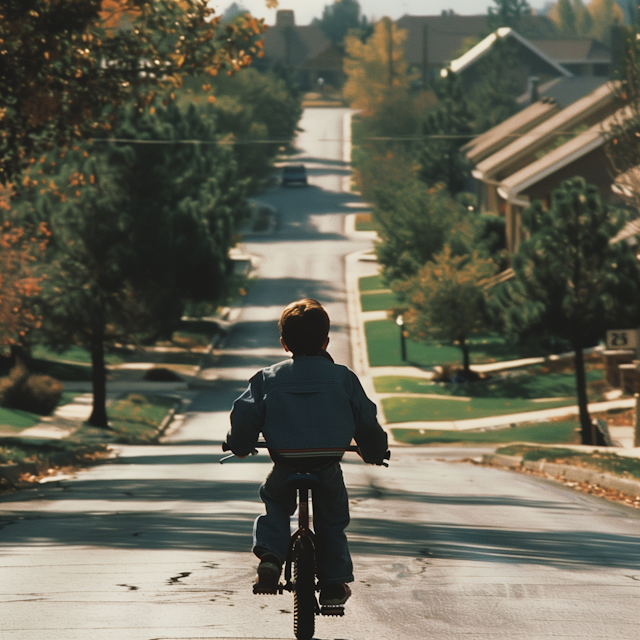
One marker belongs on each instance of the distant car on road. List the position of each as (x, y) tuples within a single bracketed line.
[(294, 173)]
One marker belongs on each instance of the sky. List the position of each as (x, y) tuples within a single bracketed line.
[(306, 10)]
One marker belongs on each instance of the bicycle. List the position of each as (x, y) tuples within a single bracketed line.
[(300, 564)]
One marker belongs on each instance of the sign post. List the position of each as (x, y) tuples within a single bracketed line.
[(623, 339)]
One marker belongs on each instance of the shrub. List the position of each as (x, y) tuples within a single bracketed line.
[(29, 391), (160, 374)]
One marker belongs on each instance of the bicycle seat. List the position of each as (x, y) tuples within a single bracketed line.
[(303, 480)]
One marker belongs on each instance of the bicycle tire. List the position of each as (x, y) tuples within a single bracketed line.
[(304, 597)]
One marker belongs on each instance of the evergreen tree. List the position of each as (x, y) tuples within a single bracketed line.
[(447, 127), (415, 223), (138, 230), (571, 283), (341, 17), (508, 13)]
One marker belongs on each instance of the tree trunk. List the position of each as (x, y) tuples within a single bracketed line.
[(465, 356), (587, 429), (19, 354), (98, 416)]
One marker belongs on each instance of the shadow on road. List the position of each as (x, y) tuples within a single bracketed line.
[(226, 527)]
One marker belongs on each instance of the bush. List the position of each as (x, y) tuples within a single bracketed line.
[(160, 374), (27, 391)]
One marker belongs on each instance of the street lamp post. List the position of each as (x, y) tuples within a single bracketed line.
[(403, 346)]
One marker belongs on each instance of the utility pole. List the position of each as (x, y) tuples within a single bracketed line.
[(390, 32), (425, 55)]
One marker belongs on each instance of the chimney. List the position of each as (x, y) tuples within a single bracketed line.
[(285, 18), (534, 94)]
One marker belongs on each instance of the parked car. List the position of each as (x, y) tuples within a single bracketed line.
[(294, 173)]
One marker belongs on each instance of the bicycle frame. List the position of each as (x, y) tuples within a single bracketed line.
[(301, 556)]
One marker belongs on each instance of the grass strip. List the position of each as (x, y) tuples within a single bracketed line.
[(371, 283), (378, 301), (136, 418), (14, 420), (383, 345), (542, 432), (601, 461), (529, 385), (416, 409), (365, 222)]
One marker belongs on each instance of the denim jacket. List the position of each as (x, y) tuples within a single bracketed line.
[(306, 406)]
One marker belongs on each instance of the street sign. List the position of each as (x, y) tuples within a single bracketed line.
[(622, 339)]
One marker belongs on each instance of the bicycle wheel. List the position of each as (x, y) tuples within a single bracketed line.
[(304, 596)]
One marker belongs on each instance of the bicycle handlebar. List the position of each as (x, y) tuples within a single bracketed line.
[(263, 445)]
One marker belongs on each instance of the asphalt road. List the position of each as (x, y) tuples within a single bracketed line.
[(156, 544)]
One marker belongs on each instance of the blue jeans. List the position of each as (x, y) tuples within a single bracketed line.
[(271, 532)]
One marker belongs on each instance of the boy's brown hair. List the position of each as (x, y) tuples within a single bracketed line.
[(304, 327)]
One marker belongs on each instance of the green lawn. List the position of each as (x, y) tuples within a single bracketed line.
[(543, 432), (418, 409), (365, 222), (74, 354), (133, 420), (525, 386), (380, 301), (383, 345), (136, 418), (371, 283), (14, 420)]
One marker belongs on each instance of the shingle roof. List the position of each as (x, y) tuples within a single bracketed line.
[(293, 46), (560, 157), (501, 135), (572, 50), (566, 91), (445, 36), (539, 136), (475, 53)]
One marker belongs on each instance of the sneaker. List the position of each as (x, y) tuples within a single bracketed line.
[(334, 594), (269, 571)]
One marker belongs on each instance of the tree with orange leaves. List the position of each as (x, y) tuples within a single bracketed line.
[(66, 68), (21, 248)]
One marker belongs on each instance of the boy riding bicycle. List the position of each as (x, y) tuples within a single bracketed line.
[(309, 409)]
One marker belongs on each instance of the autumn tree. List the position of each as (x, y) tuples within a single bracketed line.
[(67, 68), (22, 248), (447, 300), (575, 20), (378, 77), (571, 282), (139, 229)]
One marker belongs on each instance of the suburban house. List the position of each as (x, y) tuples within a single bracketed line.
[(580, 56), (531, 61), (303, 49), (530, 161), (564, 91), (434, 41)]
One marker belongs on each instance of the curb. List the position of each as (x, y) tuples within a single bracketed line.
[(564, 472)]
